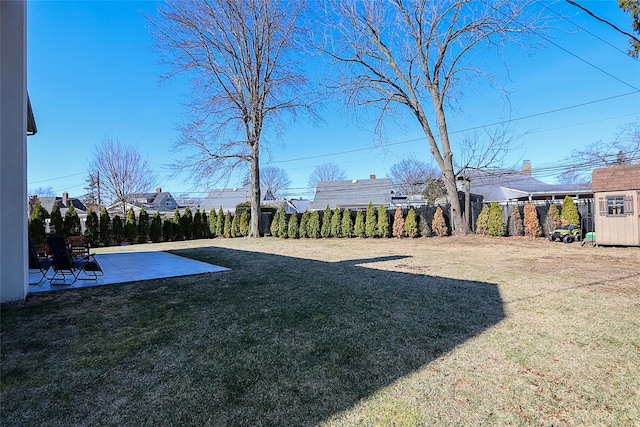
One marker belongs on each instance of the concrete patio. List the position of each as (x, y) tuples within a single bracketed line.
[(121, 267)]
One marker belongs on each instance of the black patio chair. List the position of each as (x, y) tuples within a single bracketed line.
[(66, 266), (42, 264)]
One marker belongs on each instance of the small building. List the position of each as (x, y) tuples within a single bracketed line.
[(352, 194), (228, 198), (64, 203), (617, 193)]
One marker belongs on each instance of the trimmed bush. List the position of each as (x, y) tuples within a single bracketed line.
[(370, 222), (304, 224), (226, 231), (177, 225), (313, 227), (220, 223), (336, 223), (275, 224), (496, 220), (516, 227), (325, 230), (439, 225), (105, 227), (482, 223), (130, 227), (143, 226), (552, 220), (155, 228), (398, 223), (92, 227), (411, 224), (531, 222), (186, 223), (197, 225), (244, 207), (292, 227), (72, 222), (358, 226), (36, 224), (117, 229), (383, 222), (570, 214), (235, 226), (56, 223), (282, 223), (347, 224), (167, 229), (204, 225), (244, 224)]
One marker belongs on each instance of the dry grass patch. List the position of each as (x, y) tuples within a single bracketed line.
[(454, 331)]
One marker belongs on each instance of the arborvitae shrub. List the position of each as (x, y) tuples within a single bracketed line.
[(130, 227), (186, 223), (325, 230), (204, 225), (143, 226), (117, 229), (482, 223), (313, 227), (197, 224), (336, 223), (178, 234), (439, 225), (105, 227), (220, 223), (358, 226), (370, 222), (570, 214), (516, 227), (496, 220), (235, 226), (552, 220), (56, 223), (244, 224), (155, 229), (282, 223), (72, 222), (347, 224), (383, 222), (243, 207), (304, 224), (226, 231), (292, 228), (398, 223), (36, 223), (531, 222), (92, 227), (424, 226), (275, 224), (411, 224), (167, 229)]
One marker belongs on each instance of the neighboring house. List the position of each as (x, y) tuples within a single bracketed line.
[(160, 201), (352, 194), (500, 185), (63, 203), (617, 193), (229, 198), (296, 205)]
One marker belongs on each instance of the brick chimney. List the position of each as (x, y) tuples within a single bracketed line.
[(372, 177), (158, 190), (526, 167), (65, 199)]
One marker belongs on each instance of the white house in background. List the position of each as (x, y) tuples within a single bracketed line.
[(353, 194), (159, 201), (63, 203)]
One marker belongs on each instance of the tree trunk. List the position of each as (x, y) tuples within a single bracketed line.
[(255, 191)]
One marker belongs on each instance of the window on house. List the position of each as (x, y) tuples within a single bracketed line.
[(615, 205)]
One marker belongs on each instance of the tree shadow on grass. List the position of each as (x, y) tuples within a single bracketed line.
[(277, 341)]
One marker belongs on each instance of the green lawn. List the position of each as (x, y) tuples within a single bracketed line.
[(454, 331)]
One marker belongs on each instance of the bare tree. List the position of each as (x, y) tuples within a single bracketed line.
[(411, 176), (326, 172), (414, 54), (241, 55), (43, 191), (123, 172), (622, 149), (272, 178)]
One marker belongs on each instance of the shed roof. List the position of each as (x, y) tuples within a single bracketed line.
[(352, 194)]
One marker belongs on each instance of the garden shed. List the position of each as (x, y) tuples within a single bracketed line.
[(617, 194)]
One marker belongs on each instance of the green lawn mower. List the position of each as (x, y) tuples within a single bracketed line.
[(566, 233)]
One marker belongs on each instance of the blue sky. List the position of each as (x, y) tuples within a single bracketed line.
[(92, 72)]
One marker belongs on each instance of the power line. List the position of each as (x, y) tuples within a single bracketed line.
[(573, 3)]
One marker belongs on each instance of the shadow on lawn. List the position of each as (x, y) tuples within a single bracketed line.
[(277, 341)]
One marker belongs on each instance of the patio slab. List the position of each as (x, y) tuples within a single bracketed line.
[(122, 267)]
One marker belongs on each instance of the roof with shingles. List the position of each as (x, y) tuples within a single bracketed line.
[(229, 198), (48, 202), (352, 194)]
